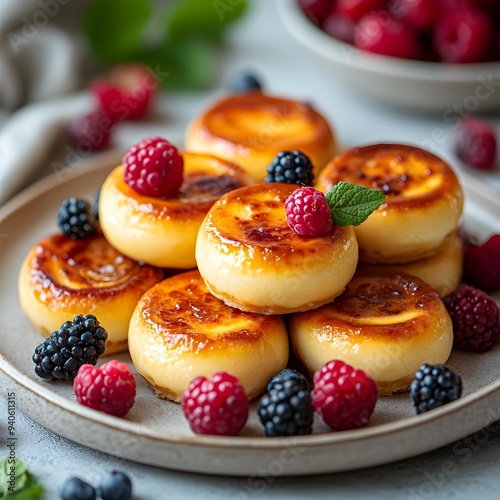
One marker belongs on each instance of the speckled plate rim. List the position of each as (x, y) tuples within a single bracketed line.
[(475, 190)]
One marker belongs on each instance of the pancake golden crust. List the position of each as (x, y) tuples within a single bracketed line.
[(162, 232), (61, 278), (386, 323), (179, 331), (251, 259), (251, 128), (423, 206)]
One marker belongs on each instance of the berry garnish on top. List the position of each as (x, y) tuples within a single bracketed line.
[(286, 409), (92, 131), (115, 486), (343, 396), (77, 342), (285, 375), (110, 388), (292, 167), (217, 405), (243, 82), (434, 386), (476, 143), (482, 264), (154, 167), (475, 317), (76, 219)]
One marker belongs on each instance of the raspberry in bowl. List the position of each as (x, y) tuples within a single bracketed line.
[(406, 53)]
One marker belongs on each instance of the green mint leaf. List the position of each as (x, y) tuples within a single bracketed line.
[(114, 27), (209, 19), (26, 486), (350, 204)]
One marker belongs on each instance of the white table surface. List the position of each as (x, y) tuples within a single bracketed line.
[(466, 469)]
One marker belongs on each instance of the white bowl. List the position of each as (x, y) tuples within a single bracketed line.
[(429, 86)]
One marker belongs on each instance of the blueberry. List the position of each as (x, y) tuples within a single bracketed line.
[(115, 486), (76, 489), (242, 82)]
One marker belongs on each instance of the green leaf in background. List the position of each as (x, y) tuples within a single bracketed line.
[(206, 18), (114, 27), (26, 487), (350, 204)]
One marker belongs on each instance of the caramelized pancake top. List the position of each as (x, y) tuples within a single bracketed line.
[(375, 304), (64, 271), (206, 178), (253, 218), (254, 120), (409, 176), (184, 315)]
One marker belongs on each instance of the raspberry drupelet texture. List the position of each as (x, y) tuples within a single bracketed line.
[(154, 167), (343, 396), (76, 219), (215, 406), (434, 386), (292, 167), (110, 388), (475, 317), (307, 212), (482, 264), (77, 342)]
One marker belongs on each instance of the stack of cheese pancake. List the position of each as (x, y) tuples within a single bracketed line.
[(361, 294)]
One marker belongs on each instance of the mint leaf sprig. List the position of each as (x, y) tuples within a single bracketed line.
[(26, 485), (351, 204)]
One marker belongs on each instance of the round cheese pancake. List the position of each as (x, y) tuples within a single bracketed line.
[(179, 331), (162, 232), (61, 278), (423, 206), (386, 323), (252, 260), (251, 128)]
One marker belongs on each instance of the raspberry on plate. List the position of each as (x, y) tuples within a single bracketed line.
[(76, 343), (434, 386), (482, 264), (110, 388), (421, 14), (343, 396), (292, 167), (91, 132), (476, 143), (463, 36), (307, 212), (476, 319), (126, 93), (316, 10), (215, 406), (154, 167), (356, 9)]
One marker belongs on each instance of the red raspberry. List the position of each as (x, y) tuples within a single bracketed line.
[(380, 33), (343, 396), (476, 319), (356, 9), (154, 168), (421, 14), (307, 212), (340, 26), (215, 406), (91, 132), (110, 388), (316, 10), (463, 36), (482, 265), (476, 143), (127, 92)]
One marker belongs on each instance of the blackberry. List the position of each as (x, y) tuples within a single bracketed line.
[(292, 167), (287, 410), (96, 204), (433, 386), (115, 486), (287, 376), (242, 82), (76, 343), (76, 489), (77, 219)]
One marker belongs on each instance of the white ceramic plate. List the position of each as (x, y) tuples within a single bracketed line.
[(419, 85), (155, 431)]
